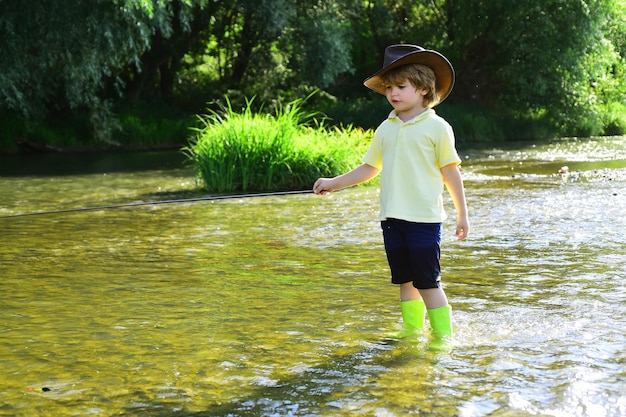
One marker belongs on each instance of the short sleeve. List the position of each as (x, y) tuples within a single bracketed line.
[(374, 155), (446, 153)]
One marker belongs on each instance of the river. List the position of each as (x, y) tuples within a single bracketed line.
[(278, 306)]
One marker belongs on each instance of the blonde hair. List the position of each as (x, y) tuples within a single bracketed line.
[(420, 76)]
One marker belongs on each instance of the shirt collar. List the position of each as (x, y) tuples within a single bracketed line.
[(426, 113)]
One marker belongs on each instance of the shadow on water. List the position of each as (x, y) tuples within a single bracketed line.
[(62, 164), (327, 384)]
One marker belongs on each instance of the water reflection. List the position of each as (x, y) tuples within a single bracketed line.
[(276, 306)]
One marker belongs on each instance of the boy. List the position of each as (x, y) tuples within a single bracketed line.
[(414, 149)]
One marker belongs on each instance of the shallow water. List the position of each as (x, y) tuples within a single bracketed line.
[(278, 306)]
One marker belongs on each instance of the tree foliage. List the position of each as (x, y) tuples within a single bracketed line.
[(545, 59), (57, 55), (557, 62)]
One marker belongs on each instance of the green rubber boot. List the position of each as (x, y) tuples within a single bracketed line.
[(413, 316), (441, 324)]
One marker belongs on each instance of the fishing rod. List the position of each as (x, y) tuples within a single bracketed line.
[(154, 203)]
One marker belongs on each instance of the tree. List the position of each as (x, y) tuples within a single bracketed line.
[(183, 30), (557, 62), (554, 61), (266, 48), (56, 54), (537, 60)]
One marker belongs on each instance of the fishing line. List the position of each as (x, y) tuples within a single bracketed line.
[(154, 203)]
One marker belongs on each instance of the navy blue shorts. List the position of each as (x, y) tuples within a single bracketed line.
[(413, 251)]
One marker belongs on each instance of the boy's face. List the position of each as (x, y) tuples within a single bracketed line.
[(405, 98)]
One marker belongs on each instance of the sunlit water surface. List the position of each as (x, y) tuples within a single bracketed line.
[(278, 306)]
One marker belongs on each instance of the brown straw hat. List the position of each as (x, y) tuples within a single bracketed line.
[(396, 55)]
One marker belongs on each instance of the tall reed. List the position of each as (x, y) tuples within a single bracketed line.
[(250, 151)]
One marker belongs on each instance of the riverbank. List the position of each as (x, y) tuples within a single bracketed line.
[(22, 146), (158, 127)]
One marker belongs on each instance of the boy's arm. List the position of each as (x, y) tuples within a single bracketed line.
[(358, 175), (454, 183)]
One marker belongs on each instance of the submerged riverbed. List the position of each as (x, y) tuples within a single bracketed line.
[(278, 306)]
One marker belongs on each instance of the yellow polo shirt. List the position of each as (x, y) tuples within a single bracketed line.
[(410, 155)]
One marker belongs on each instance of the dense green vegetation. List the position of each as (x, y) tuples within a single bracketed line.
[(120, 73), (247, 150)]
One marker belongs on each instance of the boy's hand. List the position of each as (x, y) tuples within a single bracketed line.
[(462, 228), (358, 175), (323, 186)]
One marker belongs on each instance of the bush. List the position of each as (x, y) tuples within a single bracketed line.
[(615, 119), (152, 124), (251, 151)]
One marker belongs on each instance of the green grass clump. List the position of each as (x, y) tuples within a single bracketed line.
[(250, 151)]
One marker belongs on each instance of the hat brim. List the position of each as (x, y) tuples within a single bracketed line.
[(444, 72)]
